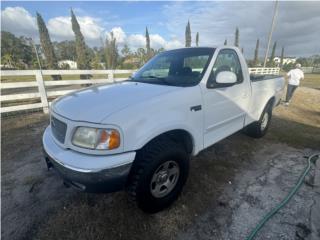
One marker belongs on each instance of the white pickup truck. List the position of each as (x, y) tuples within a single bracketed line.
[(139, 134)]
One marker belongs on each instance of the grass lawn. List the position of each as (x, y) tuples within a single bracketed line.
[(299, 124), (311, 80)]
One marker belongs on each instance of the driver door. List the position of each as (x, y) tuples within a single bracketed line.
[(225, 104)]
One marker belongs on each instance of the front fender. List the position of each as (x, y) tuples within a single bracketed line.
[(144, 121), (143, 139)]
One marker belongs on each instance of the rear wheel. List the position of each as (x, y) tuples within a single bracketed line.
[(259, 128), (158, 174)]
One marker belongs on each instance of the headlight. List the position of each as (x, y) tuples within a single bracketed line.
[(96, 138)]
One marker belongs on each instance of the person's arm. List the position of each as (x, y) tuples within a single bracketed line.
[(288, 75)]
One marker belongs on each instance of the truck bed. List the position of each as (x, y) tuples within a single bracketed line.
[(264, 87), (259, 77)]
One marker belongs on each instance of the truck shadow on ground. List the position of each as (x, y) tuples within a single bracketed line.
[(67, 214)]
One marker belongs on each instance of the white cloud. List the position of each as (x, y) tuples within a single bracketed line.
[(156, 41), (136, 40), (175, 43), (60, 28), (119, 34), (296, 25), (19, 21)]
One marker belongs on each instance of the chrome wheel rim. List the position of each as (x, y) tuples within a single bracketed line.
[(264, 121), (164, 179)]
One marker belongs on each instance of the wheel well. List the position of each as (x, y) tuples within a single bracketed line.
[(271, 101), (179, 136)]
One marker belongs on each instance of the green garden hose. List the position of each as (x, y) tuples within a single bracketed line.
[(313, 158)]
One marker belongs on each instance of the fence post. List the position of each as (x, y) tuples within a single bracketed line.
[(42, 91), (110, 76)]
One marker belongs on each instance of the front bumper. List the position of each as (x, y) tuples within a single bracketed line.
[(90, 173)]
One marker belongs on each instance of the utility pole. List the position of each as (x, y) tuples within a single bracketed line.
[(36, 51), (271, 31)]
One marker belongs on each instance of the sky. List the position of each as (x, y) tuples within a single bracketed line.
[(297, 24)]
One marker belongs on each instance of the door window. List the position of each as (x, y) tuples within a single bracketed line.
[(227, 60)]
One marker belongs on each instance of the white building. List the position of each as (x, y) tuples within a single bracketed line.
[(286, 60), (70, 63)]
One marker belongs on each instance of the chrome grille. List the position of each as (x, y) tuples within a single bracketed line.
[(59, 129)]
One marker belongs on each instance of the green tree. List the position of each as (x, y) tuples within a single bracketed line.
[(256, 54), (273, 53), (225, 42), (188, 35), (197, 39), (236, 37), (316, 61), (305, 62), (140, 54), (37, 62), (83, 60), (159, 50), (148, 44), (288, 66), (7, 61), (16, 51), (111, 52), (65, 50), (126, 51), (127, 58), (46, 44), (282, 56), (96, 61)]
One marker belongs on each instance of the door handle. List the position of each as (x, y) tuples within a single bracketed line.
[(195, 108)]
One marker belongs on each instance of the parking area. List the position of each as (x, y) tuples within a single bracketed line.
[(230, 187)]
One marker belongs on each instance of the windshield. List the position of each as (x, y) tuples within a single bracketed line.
[(181, 67)]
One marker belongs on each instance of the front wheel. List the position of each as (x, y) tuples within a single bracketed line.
[(259, 128), (158, 175)]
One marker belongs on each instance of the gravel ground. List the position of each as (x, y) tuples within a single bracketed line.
[(256, 190), (230, 187)]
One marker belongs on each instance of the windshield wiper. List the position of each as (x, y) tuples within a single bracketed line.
[(162, 79), (150, 76)]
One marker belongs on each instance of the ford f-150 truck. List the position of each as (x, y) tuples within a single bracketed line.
[(139, 134)]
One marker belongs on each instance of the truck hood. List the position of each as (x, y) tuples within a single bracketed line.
[(98, 102)]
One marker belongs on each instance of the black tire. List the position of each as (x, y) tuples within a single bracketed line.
[(259, 128), (148, 160)]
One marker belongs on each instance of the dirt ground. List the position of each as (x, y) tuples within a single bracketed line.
[(230, 187)]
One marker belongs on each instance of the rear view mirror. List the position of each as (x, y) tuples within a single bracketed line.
[(226, 77)]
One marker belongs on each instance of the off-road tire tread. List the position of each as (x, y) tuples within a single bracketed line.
[(254, 130), (143, 159)]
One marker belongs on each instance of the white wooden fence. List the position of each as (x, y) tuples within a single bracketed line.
[(43, 93), (262, 71)]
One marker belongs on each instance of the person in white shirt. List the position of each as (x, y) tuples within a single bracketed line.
[(295, 76)]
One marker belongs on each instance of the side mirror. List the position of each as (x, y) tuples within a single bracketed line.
[(226, 77), (132, 74)]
